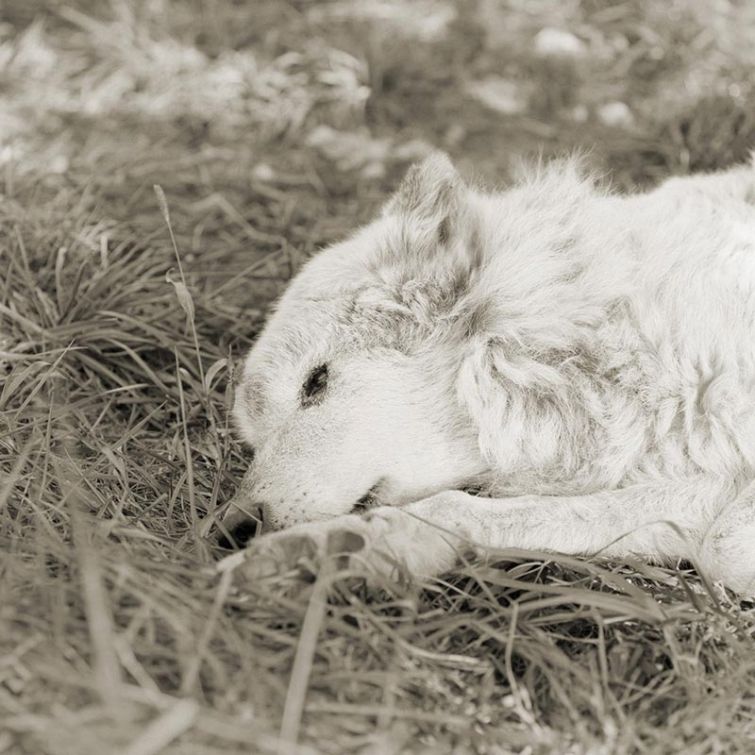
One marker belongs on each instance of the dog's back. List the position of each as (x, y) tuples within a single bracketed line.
[(694, 310)]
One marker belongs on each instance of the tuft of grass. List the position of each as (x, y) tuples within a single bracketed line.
[(122, 312)]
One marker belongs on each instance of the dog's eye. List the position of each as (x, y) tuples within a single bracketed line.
[(315, 385)]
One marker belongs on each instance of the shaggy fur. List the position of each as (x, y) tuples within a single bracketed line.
[(585, 360)]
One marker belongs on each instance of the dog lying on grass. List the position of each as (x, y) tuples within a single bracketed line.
[(583, 360)]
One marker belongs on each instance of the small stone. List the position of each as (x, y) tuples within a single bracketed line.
[(263, 172), (499, 94), (616, 114), (552, 42)]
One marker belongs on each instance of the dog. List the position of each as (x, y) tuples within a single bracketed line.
[(582, 361)]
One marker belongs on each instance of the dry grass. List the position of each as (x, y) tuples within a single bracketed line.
[(273, 128)]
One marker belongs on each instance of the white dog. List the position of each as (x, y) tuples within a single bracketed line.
[(585, 360)]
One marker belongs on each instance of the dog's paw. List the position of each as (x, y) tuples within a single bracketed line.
[(341, 543), (383, 544)]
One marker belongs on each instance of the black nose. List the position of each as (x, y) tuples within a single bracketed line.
[(237, 531)]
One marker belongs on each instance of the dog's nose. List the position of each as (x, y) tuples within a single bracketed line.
[(239, 527)]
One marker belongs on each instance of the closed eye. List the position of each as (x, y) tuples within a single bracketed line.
[(314, 386)]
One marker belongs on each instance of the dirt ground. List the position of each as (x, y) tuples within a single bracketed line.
[(272, 128)]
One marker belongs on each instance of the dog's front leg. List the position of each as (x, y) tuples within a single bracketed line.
[(659, 522)]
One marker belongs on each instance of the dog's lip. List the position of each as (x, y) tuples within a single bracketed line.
[(369, 499)]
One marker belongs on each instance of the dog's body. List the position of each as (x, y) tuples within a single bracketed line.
[(586, 360)]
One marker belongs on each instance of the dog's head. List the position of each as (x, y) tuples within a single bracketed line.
[(350, 390), (441, 345)]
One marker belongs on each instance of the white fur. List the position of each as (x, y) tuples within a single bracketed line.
[(586, 359)]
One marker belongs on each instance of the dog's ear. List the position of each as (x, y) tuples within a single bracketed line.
[(432, 245), (430, 197)]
